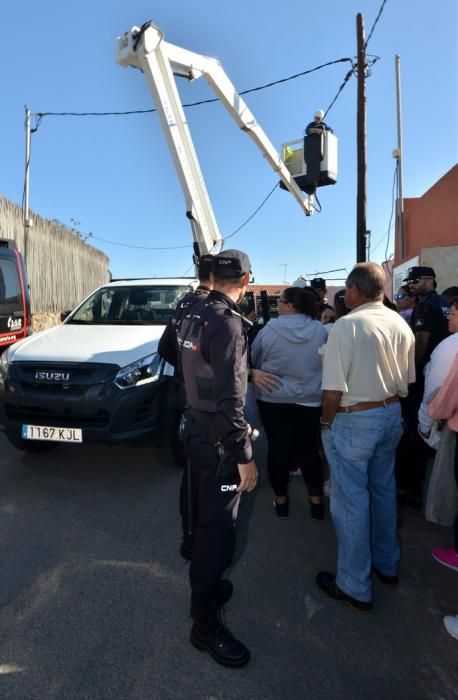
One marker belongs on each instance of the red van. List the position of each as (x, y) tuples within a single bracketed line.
[(14, 296)]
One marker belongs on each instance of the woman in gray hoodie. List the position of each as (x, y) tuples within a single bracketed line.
[(289, 347)]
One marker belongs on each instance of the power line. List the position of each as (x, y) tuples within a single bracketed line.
[(391, 216), (138, 247), (40, 115), (393, 203), (375, 22), (188, 245), (253, 214)]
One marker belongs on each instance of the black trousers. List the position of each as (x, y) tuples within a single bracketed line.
[(412, 453), (211, 511), (293, 436)]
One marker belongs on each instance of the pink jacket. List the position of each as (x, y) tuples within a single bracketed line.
[(444, 406)]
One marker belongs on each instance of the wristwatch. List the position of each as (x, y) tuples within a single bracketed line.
[(324, 424)]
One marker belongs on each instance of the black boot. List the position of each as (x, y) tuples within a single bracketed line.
[(208, 633)]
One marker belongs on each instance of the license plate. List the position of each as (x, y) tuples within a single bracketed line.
[(46, 432)]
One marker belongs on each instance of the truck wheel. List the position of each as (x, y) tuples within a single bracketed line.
[(178, 452), (31, 446), (169, 451)]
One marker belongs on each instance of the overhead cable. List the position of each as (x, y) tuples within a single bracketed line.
[(188, 245), (40, 115), (382, 6), (393, 199)]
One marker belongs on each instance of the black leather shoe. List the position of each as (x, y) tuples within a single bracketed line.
[(327, 583), (282, 509), (225, 592), (387, 580), (220, 644)]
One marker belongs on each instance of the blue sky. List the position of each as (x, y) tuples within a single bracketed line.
[(115, 175)]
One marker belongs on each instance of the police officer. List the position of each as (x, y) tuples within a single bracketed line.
[(168, 343), (429, 323), (318, 284), (213, 346), (429, 320)]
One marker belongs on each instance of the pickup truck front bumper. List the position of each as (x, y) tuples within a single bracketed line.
[(83, 396)]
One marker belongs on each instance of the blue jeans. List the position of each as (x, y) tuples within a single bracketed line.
[(360, 448)]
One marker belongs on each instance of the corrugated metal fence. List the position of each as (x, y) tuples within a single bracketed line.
[(61, 267)]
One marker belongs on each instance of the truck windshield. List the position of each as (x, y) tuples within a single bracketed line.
[(10, 287), (130, 305)]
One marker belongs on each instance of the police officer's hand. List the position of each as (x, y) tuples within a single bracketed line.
[(248, 476), (264, 380)]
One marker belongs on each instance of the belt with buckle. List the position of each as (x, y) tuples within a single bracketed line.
[(366, 405)]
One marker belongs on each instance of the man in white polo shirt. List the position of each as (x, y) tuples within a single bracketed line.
[(369, 362)]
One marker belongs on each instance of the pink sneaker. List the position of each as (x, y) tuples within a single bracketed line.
[(447, 557)]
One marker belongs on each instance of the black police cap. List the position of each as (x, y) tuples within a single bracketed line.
[(205, 266), (318, 283), (231, 264), (415, 272)]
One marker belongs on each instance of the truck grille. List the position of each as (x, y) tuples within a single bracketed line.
[(65, 419), (56, 378), (60, 394)]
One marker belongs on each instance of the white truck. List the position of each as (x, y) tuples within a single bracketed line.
[(97, 377)]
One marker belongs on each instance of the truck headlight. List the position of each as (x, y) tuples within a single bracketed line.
[(144, 371), (4, 362)]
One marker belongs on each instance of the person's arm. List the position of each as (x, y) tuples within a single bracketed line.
[(331, 403), (336, 369), (226, 349), (421, 344), (167, 347), (265, 381)]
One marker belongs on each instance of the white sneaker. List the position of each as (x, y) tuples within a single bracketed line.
[(451, 625)]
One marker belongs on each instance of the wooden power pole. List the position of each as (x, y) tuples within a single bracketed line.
[(361, 144)]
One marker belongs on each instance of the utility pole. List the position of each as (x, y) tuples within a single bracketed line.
[(400, 202), (361, 143), (368, 245), (26, 221), (284, 265)]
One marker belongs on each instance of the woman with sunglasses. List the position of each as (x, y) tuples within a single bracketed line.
[(405, 302), (288, 347)]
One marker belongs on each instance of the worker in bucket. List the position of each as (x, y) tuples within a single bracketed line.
[(317, 125)]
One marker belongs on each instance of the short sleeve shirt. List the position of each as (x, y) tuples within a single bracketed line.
[(369, 355)]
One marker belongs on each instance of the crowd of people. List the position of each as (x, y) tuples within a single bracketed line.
[(365, 388)]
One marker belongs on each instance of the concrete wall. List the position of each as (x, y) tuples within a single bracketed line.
[(432, 219)]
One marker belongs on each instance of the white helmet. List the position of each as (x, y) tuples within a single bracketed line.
[(319, 113)]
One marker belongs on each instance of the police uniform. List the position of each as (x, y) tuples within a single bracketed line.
[(214, 354), (429, 315), (319, 284), (168, 348)]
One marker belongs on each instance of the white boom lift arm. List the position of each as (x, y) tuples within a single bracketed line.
[(160, 61)]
